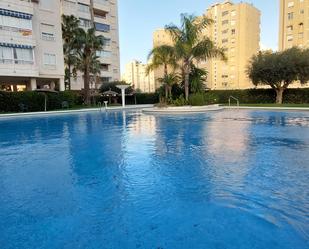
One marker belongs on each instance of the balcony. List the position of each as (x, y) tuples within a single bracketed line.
[(23, 6), (102, 5), (17, 36), (18, 68)]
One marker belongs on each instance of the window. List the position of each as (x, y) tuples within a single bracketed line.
[(233, 22), (16, 55), (106, 79), (83, 8), (107, 42), (49, 59), (102, 27), (104, 67), (290, 4), (233, 31), (23, 55), (290, 15), (104, 53), (225, 22), (301, 35), (84, 23), (47, 32), (15, 23), (225, 13), (301, 12), (225, 31), (290, 38), (233, 13), (290, 28), (6, 55), (225, 40)]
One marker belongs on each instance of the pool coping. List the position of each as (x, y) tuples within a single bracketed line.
[(141, 107), (117, 108), (268, 108)]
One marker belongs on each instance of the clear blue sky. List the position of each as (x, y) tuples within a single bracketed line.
[(139, 18)]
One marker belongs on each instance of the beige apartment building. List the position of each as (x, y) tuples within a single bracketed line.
[(103, 16), (30, 45), (294, 24), (135, 74), (237, 29)]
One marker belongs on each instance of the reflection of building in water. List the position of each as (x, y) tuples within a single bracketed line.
[(227, 137), (144, 125)]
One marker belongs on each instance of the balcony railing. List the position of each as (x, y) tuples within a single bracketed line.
[(16, 61)]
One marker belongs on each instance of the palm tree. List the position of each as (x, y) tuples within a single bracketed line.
[(162, 56), (87, 60), (70, 26), (168, 81), (198, 77), (191, 46)]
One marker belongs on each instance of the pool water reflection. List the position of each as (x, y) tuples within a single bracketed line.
[(230, 179)]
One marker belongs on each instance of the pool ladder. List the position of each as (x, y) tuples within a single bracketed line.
[(232, 97)]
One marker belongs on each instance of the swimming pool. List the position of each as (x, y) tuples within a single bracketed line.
[(121, 180)]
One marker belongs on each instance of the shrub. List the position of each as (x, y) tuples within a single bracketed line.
[(34, 101), (197, 99), (181, 101)]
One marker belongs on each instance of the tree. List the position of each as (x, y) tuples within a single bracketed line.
[(70, 26), (191, 45), (279, 69), (87, 60), (162, 56), (168, 81)]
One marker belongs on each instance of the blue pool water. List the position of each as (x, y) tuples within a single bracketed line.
[(225, 180)]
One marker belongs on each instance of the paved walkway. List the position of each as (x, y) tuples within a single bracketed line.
[(140, 107)]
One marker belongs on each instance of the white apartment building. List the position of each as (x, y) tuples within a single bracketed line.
[(103, 15), (31, 46), (31, 53)]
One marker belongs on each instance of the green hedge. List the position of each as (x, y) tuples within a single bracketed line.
[(259, 96), (34, 101)]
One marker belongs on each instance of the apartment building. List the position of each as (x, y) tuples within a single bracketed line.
[(237, 29), (161, 37), (103, 16), (136, 75), (31, 53), (294, 24)]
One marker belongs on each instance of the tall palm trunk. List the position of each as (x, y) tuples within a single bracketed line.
[(186, 79), (69, 80), (86, 86), (165, 83)]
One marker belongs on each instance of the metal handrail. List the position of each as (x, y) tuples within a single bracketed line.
[(100, 106), (232, 97)]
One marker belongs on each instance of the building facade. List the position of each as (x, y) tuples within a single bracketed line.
[(237, 29), (294, 24), (31, 53), (136, 75), (31, 46), (103, 16)]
